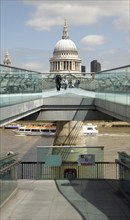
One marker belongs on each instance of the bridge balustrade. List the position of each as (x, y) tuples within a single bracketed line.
[(8, 177), (101, 170), (114, 85), (109, 91), (20, 85)]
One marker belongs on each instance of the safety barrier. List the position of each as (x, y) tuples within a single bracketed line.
[(8, 178), (101, 170)]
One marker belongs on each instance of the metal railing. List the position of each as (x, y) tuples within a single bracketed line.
[(124, 178), (8, 177), (101, 170)]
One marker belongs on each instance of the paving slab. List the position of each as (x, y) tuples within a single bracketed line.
[(38, 200), (66, 200), (96, 199)]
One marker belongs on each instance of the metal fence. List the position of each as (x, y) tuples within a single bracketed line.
[(101, 170)]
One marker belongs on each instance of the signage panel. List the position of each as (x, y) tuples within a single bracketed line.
[(86, 159)]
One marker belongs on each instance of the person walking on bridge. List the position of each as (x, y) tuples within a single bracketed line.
[(58, 80)]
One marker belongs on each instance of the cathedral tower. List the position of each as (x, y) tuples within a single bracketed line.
[(7, 60)]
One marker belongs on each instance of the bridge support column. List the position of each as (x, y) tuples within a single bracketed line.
[(69, 134)]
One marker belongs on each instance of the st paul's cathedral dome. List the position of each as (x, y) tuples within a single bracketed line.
[(65, 55)]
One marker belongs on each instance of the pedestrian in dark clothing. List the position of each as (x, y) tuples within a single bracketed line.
[(77, 83), (58, 80)]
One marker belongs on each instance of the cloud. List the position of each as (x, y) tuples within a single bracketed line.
[(114, 58), (88, 49), (121, 23), (106, 65), (111, 51), (49, 14), (33, 65), (30, 59), (93, 40)]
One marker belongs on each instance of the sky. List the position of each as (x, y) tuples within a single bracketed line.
[(30, 30)]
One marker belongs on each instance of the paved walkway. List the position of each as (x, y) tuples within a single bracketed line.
[(69, 92), (64, 200)]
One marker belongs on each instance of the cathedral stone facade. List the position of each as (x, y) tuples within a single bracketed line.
[(65, 55)]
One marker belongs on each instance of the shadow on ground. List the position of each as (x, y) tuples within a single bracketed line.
[(95, 199)]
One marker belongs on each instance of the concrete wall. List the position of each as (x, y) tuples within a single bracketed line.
[(15, 112), (119, 111), (84, 110), (68, 109)]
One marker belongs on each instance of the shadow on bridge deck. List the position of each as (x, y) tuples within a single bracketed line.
[(64, 200)]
